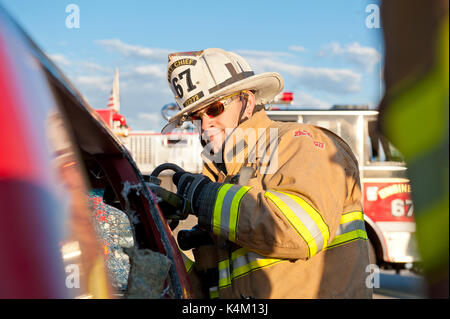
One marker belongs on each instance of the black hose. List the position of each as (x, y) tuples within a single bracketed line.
[(164, 167), (173, 223)]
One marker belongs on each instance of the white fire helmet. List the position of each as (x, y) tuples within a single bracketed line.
[(199, 78)]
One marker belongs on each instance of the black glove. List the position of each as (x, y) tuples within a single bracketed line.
[(199, 191), (189, 186)]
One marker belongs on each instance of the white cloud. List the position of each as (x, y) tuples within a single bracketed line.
[(153, 117), (59, 59), (144, 87), (297, 48), (95, 67), (304, 100), (325, 79), (98, 82), (261, 54), (130, 50), (155, 70), (362, 57), (152, 120)]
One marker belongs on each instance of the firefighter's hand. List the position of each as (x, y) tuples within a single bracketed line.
[(190, 186)]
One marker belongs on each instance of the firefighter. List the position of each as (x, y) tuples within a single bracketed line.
[(281, 201)]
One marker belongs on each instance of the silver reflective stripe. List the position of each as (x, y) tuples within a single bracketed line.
[(243, 265), (246, 259), (304, 217), (350, 226), (226, 210), (212, 289), (224, 273)]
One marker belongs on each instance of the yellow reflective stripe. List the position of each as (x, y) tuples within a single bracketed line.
[(295, 222), (250, 256), (243, 262), (314, 215), (304, 219), (213, 292), (224, 273), (350, 221), (225, 214), (349, 217), (238, 253), (188, 264), (348, 237), (234, 212), (226, 210), (218, 208), (223, 264), (253, 262)]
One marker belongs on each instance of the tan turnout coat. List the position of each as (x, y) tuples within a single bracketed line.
[(295, 229)]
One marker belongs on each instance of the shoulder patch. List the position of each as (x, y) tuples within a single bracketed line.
[(319, 144), (302, 132)]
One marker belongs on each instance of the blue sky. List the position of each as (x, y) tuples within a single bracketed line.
[(323, 49)]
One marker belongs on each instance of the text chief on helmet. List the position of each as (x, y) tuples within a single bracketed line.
[(282, 202)]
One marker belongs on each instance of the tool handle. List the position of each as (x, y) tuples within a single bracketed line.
[(193, 238)]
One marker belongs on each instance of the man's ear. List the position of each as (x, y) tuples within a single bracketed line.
[(250, 104)]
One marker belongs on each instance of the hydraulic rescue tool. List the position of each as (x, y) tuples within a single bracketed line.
[(175, 208)]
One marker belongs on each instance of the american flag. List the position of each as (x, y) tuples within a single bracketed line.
[(114, 98)]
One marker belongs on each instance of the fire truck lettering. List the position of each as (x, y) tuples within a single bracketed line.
[(400, 208), (394, 189)]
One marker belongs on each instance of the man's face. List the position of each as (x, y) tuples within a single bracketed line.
[(213, 129)]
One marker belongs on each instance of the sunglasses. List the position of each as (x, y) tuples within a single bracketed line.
[(216, 108)]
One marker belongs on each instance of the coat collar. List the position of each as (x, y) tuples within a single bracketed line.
[(239, 144)]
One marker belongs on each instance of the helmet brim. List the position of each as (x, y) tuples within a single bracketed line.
[(265, 85)]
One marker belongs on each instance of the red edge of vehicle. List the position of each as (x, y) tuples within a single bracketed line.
[(25, 160)]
